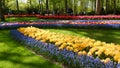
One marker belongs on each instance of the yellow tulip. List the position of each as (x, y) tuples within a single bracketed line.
[(89, 54), (80, 53), (75, 50), (74, 43)]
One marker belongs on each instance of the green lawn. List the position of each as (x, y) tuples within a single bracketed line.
[(20, 19), (98, 34), (14, 55), (26, 19)]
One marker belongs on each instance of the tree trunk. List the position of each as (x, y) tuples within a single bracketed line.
[(40, 6), (75, 10), (74, 7), (98, 7), (30, 3), (17, 5), (47, 8), (4, 3), (66, 6), (94, 5), (114, 6), (1, 11), (107, 6)]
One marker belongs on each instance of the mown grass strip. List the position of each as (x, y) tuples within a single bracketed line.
[(14, 55)]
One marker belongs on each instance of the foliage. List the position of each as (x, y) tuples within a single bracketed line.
[(32, 10), (77, 6)]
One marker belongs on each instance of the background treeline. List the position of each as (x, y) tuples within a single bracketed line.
[(73, 7)]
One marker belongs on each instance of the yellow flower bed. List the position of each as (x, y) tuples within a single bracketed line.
[(79, 45)]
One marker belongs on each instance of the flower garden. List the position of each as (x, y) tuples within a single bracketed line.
[(59, 34), (66, 23), (67, 16), (72, 51), (75, 52)]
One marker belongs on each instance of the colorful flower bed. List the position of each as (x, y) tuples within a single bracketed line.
[(81, 17), (69, 23), (67, 17), (75, 52)]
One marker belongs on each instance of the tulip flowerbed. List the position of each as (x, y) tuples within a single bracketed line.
[(67, 17), (75, 52), (69, 23), (81, 17)]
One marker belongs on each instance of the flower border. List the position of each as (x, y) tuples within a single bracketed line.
[(55, 24), (66, 57)]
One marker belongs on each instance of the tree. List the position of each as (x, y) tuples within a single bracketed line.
[(2, 11), (39, 5), (47, 8), (17, 5), (30, 2), (89, 6), (107, 6), (98, 7), (4, 3), (114, 6), (66, 6)]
